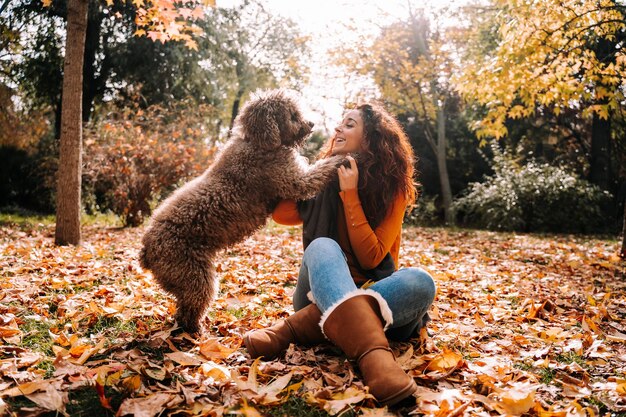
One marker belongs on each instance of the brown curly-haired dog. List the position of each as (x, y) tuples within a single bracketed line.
[(232, 199)]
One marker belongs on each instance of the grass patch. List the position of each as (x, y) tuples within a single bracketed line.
[(113, 327), (86, 403), (36, 335), (238, 312), (546, 375), (523, 366), (602, 408), (101, 219), (24, 219), (28, 219), (48, 367), (570, 357)]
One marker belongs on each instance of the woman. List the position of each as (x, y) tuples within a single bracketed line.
[(352, 236)]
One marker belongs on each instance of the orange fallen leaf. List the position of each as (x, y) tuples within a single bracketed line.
[(445, 362), (214, 350), (479, 321), (9, 331), (132, 383), (104, 401)]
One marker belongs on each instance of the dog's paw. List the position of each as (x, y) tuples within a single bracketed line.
[(339, 160)]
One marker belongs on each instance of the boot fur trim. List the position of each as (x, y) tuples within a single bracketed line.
[(386, 313)]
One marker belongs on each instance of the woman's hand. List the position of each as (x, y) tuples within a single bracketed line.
[(348, 176)]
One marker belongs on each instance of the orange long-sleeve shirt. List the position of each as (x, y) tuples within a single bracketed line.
[(357, 239)]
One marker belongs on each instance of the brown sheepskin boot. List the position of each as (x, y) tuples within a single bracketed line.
[(302, 328), (355, 325)]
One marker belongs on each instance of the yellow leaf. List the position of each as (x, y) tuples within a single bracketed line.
[(446, 361), (211, 369), (517, 400), (46, 3)]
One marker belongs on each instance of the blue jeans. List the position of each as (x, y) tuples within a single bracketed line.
[(408, 292)]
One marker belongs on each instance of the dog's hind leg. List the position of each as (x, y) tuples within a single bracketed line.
[(194, 296)]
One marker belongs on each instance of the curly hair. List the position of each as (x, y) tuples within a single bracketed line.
[(386, 165)]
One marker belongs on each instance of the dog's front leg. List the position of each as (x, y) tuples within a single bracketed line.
[(314, 179)]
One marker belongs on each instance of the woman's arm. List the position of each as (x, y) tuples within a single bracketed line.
[(370, 246), (286, 212)]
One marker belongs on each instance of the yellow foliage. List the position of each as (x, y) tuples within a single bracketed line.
[(544, 57)]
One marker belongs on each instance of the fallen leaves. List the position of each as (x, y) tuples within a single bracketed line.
[(521, 325)]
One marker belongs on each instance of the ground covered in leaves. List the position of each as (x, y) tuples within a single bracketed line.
[(521, 324)]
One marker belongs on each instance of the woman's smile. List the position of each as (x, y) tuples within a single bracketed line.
[(349, 134)]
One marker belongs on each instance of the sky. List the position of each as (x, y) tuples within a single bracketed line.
[(330, 23)]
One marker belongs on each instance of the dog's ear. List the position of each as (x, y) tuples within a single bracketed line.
[(258, 123)]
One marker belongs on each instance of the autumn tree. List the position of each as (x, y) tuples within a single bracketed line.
[(552, 57), (412, 68), (161, 24)]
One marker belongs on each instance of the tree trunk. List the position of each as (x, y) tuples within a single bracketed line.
[(235, 110), (92, 47), (241, 80), (444, 179), (70, 158), (600, 161)]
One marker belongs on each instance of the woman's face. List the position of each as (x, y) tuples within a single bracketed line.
[(349, 134)]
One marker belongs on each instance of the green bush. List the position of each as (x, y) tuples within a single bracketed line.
[(135, 157), (27, 176), (425, 212), (535, 197)]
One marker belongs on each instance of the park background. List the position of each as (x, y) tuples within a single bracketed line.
[(515, 110)]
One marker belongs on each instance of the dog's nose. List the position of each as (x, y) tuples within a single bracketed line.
[(311, 124)]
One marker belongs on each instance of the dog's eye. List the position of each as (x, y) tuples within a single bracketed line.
[(294, 117)]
